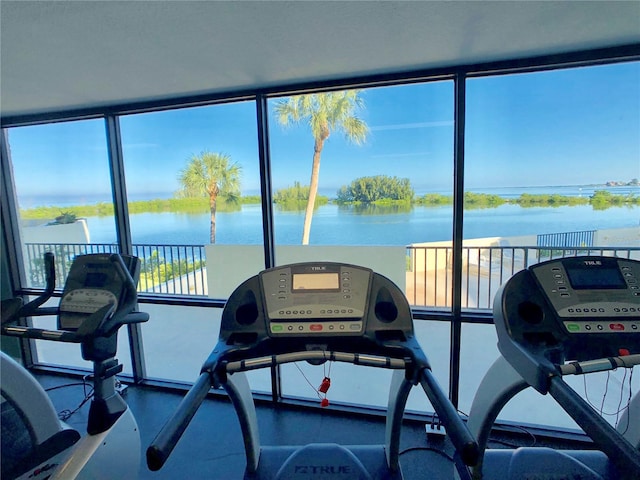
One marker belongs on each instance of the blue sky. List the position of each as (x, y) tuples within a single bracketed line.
[(564, 127)]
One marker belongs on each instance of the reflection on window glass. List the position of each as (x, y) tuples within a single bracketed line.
[(63, 192), (367, 168), (551, 169), (193, 186)]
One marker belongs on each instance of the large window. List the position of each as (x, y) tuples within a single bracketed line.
[(381, 160), (63, 192), (192, 181), (360, 175), (552, 161), (64, 205), (193, 187), (374, 157)]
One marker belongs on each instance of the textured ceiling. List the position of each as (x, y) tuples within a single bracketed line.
[(68, 54)]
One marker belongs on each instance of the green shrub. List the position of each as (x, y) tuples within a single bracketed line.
[(379, 189)]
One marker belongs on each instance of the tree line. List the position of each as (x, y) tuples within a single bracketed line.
[(361, 191)]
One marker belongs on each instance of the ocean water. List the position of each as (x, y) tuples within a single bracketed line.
[(336, 225), (333, 225)]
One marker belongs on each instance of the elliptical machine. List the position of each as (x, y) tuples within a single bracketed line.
[(98, 298), (571, 316)]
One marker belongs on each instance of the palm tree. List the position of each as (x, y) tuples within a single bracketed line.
[(325, 113), (213, 175)]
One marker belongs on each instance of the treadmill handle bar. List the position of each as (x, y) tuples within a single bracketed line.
[(168, 437), (600, 365), (604, 436), (458, 432)]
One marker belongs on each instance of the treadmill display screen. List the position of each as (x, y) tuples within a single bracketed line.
[(304, 282), (594, 278)]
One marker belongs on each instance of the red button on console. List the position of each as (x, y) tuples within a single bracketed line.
[(616, 326), (315, 327)]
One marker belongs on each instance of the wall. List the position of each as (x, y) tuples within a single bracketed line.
[(618, 237), (229, 265), (77, 232)]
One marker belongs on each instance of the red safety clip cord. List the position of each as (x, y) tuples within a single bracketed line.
[(324, 386)]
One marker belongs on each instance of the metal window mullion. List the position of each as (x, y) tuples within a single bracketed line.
[(268, 235), (264, 157), (458, 214), (12, 247), (123, 230), (10, 220), (118, 186)]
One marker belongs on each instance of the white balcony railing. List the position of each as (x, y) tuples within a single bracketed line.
[(181, 269)]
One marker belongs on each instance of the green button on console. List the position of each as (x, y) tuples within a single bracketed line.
[(276, 328), (573, 327)]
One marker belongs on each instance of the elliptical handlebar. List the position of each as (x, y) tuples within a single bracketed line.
[(14, 308)]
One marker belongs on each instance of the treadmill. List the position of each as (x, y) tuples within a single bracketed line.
[(317, 312), (570, 316)]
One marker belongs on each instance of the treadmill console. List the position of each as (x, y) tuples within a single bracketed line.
[(311, 299), (316, 302), (577, 308), (593, 295)]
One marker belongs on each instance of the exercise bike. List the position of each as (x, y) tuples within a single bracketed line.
[(98, 298), (316, 312), (571, 316)]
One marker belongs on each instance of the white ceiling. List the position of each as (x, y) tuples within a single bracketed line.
[(60, 55)]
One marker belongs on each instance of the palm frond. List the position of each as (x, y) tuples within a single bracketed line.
[(208, 173), (325, 112)]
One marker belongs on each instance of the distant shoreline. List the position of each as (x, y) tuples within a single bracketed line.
[(599, 199), (78, 199)]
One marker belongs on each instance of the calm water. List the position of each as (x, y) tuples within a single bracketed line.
[(346, 226), (333, 225)]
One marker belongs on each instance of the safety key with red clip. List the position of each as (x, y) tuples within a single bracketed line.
[(324, 388)]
